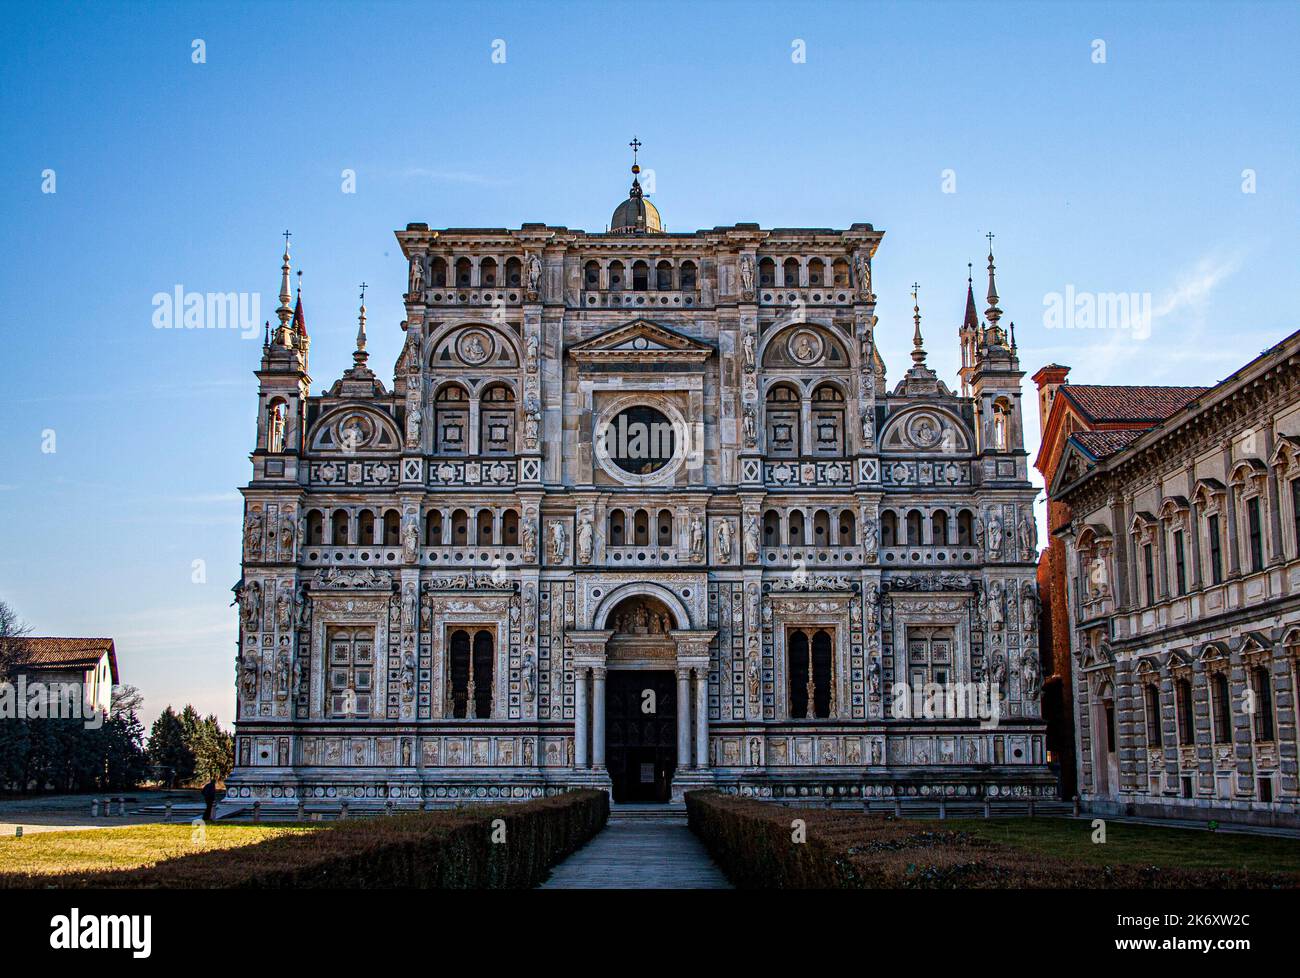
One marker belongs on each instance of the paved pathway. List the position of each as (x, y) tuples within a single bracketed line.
[(659, 854)]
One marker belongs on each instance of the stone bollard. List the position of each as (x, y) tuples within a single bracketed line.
[(18, 831), (343, 808), (388, 807), (94, 808), (301, 809), (898, 808), (257, 811), (943, 810), (988, 809), (168, 816)]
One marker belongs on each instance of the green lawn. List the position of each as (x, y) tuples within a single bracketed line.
[(129, 847), (1144, 845)]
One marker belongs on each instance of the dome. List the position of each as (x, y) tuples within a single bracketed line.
[(636, 215)]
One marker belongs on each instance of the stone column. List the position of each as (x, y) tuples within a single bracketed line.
[(580, 718), (701, 718), (683, 719), (598, 718)]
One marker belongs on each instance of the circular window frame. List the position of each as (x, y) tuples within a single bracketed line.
[(666, 473)]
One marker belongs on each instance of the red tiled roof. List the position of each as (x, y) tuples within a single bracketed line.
[(65, 653), (1103, 444), (1104, 403)]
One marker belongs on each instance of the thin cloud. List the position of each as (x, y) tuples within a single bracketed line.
[(454, 176)]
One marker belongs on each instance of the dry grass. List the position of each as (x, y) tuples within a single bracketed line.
[(131, 847)]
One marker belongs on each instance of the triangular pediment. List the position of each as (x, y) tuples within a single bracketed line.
[(641, 339), (1074, 465)]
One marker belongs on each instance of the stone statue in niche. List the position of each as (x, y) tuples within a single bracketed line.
[(532, 421), (408, 676), (746, 275), (642, 619), (287, 534), (534, 274), (248, 680), (998, 673), (751, 539), (298, 677), (417, 275), (1028, 536), (869, 534), (1030, 675), (585, 538), (876, 752), (528, 534), (864, 275), (873, 675), (528, 674), (284, 608), (559, 542), (748, 344), (413, 419), (1029, 609), (253, 535), (995, 536), (410, 540), (282, 674), (868, 427), (304, 607), (754, 669), (755, 752), (873, 608), (533, 353), (996, 606), (568, 752), (252, 599), (751, 426), (697, 537), (724, 541), (408, 608)]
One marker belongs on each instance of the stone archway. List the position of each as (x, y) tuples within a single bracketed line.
[(601, 619)]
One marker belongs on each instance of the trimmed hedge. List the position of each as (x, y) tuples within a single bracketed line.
[(752, 841), (430, 850)]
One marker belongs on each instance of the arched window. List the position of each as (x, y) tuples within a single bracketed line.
[(810, 670), (1222, 708), (889, 528), (841, 269), (617, 530), (794, 522), (496, 420), (438, 272), (483, 528), (848, 528), (1186, 724), (771, 529), (514, 272), (913, 527), (641, 528), (790, 273), (821, 528), (351, 671), (1262, 686), (510, 528), (339, 527), (782, 421), (469, 674), (459, 528), (640, 276), (664, 276), (665, 528), (591, 275), (688, 276), (828, 421), (965, 528), (315, 527), (816, 271), (939, 528), (1151, 700), (276, 417), (451, 420), (766, 272), (462, 272), (366, 528), (433, 528), (487, 273), (616, 275), (392, 528), (1001, 425)]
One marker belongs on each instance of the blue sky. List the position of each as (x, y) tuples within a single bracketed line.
[(1117, 177)]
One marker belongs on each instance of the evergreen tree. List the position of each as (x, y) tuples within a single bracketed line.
[(168, 751)]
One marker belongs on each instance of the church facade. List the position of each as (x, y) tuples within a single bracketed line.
[(639, 510)]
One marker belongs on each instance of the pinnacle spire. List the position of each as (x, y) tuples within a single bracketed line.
[(360, 356), (971, 320), (636, 168), (918, 350), (284, 312), (992, 313)]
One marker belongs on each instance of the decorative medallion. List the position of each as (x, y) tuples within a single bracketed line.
[(475, 347), (805, 346)]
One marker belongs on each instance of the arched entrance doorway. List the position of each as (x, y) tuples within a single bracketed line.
[(641, 705)]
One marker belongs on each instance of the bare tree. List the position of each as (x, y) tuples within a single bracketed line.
[(12, 628)]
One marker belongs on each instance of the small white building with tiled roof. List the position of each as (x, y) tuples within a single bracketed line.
[(89, 662)]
